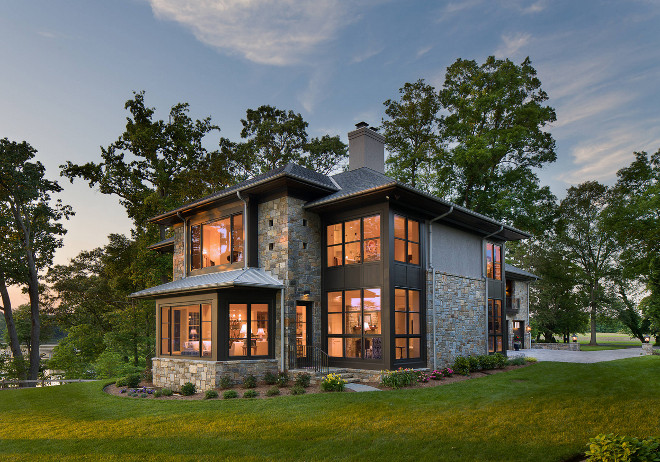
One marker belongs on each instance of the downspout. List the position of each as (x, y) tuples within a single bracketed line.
[(483, 272), (435, 348), (282, 329), (185, 243), (245, 231)]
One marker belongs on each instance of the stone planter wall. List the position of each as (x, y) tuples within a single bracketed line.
[(647, 348), (174, 372), (556, 346)]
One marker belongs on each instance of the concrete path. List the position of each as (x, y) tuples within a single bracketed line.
[(563, 356), (360, 387)]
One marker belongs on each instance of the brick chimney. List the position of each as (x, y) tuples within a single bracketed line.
[(366, 148)]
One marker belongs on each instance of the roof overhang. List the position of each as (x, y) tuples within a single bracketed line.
[(518, 274), (250, 277), (164, 246)]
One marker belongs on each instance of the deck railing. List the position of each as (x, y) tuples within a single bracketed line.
[(308, 357)]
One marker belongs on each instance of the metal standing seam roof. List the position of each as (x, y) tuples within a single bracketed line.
[(510, 269), (250, 277)]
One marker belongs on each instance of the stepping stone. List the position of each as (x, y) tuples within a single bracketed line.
[(360, 387)]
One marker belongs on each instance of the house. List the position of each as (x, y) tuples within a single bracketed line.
[(373, 273)]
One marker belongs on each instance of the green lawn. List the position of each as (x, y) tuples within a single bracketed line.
[(544, 412), (607, 341)]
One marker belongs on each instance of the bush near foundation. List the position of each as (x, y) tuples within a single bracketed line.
[(210, 394), (250, 381), (270, 378), (611, 447), (188, 389), (225, 382), (399, 378), (303, 380), (333, 382)]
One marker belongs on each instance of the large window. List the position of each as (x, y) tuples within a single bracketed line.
[(248, 330), (407, 324), (354, 241), (218, 242), (406, 240), (494, 261), (186, 330), (495, 334), (354, 324)]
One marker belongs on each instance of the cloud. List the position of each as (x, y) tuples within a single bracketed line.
[(600, 157), (589, 107), (453, 8), (421, 52), (536, 7), (366, 54), (315, 89), (512, 43), (275, 32)]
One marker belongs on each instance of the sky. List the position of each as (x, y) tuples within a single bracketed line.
[(68, 66)]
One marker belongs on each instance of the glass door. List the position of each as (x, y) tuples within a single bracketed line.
[(303, 329)]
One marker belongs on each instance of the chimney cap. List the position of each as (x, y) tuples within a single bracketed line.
[(361, 124)]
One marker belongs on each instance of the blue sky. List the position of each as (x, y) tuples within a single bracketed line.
[(68, 67)]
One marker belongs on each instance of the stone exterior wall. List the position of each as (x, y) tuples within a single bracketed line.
[(178, 260), (557, 346), (174, 372), (520, 292), (460, 311), (295, 259)]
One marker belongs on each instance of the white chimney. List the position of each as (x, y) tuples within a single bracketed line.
[(366, 148)]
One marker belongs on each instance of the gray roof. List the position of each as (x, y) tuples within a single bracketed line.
[(289, 170), (250, 277), (164, 244), (517, 273)]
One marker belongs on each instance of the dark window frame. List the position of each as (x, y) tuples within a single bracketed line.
[(407, 241), (494, 333), (201, 241), (170, 326), (226, 330), (491, 271), (408, 335), (363, 335), (361, 240)]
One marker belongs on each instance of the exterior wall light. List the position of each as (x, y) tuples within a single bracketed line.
[(575, 339), (647, 339)]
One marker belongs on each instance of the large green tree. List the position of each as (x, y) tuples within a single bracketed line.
[(412, 134), (274, 137), (33, 224)]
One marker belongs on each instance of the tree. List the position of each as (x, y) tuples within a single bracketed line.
[(586, 243), (25, 195), (275, 137), (412, 134), (495, 129)]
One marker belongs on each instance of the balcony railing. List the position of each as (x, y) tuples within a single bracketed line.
[(512, 305)]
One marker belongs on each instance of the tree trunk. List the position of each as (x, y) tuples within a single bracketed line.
[(35, 330), (592, 341), (14, 344)]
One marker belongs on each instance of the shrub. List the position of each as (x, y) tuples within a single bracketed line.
[(282, 379), (611, 447), (447, 372), (133, 380), (249, 381), (298, 390), (225, 382), (188, 389), (210, 394), (121, 382), (500, 360), (436, 375), (486, 362), (530, 359), (473, 362), (270, 378), (303, 380), (461, 365), (333, 382), (251, 394), (158, 393), (230, 394), (143, 395), (517, 361), (166, 392), (273, 391), (399, 378), (422, 377)]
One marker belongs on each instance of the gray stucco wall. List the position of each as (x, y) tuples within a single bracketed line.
[(520, 292), (456, 252)]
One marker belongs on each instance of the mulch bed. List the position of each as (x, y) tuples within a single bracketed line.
[(314, 388)]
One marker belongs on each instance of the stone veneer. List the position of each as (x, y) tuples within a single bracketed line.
[(557, 346), (460, 317), (520, 291), (297, 267), (206, 375), (178, 260)]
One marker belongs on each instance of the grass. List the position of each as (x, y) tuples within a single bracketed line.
[(544, 412), (607, 341)]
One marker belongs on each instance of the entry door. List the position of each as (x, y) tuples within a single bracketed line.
[(303, 329), (519, 331)]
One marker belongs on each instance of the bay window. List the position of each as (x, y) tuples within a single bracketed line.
[(354, 324), (186, 330)]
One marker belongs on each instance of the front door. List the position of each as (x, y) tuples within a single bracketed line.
[(303, 330), (519, 333)]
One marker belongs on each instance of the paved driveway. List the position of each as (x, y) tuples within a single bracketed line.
[(562, 356)]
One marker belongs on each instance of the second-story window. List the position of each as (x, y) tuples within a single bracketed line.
[(218, 242), (494, 261), (354, 241), (406, 240)]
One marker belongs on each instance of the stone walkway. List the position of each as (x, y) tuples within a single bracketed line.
[(360, 387), (563, 356)]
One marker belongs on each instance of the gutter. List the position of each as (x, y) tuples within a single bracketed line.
[(282, 329), (435, 348), (245, 231), (185, 244)]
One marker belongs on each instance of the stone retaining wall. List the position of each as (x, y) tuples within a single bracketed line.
[(174, 372), (647, 348), (556, 346)]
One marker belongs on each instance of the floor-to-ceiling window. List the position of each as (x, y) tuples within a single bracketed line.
[(354, 324), (495, 327)]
